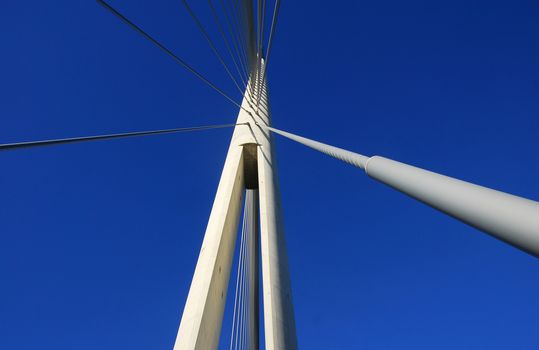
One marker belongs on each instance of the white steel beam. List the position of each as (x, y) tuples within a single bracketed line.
[(512, 219)]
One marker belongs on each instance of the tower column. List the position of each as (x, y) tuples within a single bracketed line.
[(279, 321), (202, 317), (250, 164)]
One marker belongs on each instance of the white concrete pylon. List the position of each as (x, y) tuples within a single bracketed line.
[(279, 321), (250, 162), (202, 317)]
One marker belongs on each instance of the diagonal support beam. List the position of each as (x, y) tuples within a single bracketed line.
[(512, 219), (202, 317), (250, 164), (200, 325)]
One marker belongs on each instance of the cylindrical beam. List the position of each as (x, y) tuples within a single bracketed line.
[(509, 218), (512, 219), (352, 158)]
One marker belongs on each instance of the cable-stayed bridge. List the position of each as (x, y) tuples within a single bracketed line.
[(249, 184)]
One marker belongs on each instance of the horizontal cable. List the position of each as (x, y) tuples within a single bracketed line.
[(168, 52), (17, 145)]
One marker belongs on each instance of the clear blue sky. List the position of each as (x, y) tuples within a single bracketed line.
[(98, 241)]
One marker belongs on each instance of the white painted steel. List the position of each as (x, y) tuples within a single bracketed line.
[(512, 219), (509, 218), (352, 158)]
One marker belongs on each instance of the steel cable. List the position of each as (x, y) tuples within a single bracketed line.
[(211, 44), (237, 303), (270, 42), (243, 78), (41, 143), (235, 36), (168, 52)]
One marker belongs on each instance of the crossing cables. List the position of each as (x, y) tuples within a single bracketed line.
[(179, 60)]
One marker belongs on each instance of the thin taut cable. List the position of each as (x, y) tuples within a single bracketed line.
[(168, 52), (242, 51), (270, 41), (261, 44), (239, 339), (212, 45), (237, 17), (227, 44), (235, 321), (235, 38), (29, 144)]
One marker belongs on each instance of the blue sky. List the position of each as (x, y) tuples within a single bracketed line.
[(99, 240)]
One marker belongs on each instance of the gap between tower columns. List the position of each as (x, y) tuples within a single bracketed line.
[(250, 165)]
